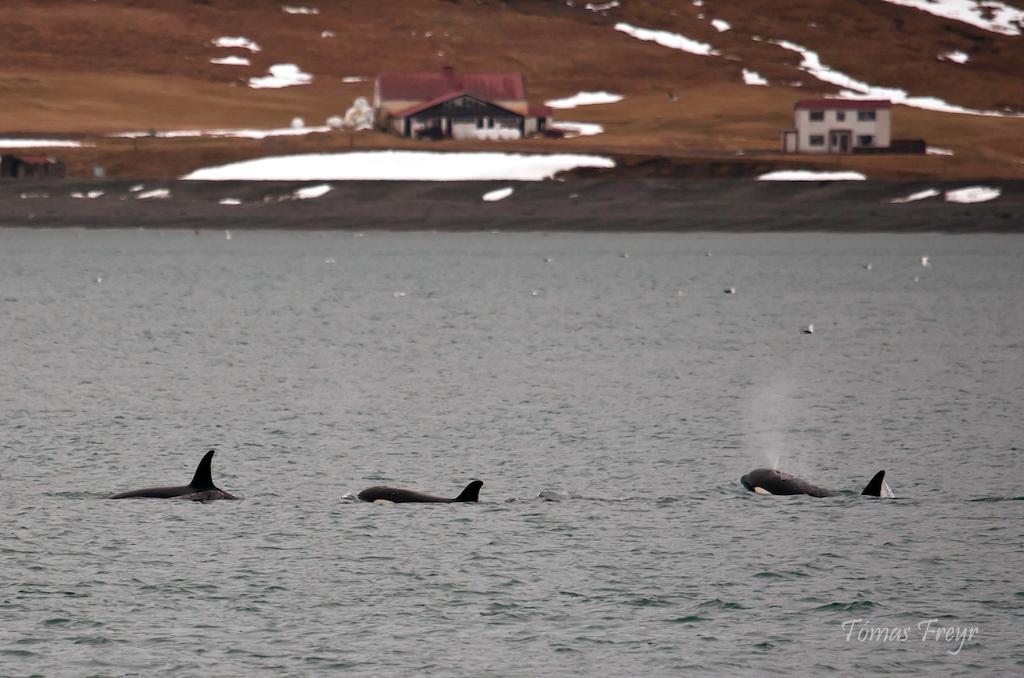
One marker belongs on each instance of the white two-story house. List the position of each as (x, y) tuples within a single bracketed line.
[(838, 126)]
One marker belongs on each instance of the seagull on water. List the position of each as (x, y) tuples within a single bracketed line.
[(809, 329)]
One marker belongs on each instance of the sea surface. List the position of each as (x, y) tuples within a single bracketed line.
[(606, 389)]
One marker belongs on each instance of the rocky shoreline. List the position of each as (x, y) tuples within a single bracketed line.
[(657, 204)]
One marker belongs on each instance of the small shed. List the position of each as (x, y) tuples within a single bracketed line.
[(30, 167)]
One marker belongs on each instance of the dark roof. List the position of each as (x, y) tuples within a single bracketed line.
[(35, 159), (427, 86), (418, 108), (843, 103)]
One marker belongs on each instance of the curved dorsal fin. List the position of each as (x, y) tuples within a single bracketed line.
[(203, 479), (471, 493), (874, 488)]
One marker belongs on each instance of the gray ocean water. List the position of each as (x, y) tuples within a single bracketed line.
[(604, 388)]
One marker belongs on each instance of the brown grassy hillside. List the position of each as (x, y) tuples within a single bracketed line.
[(113, 65)]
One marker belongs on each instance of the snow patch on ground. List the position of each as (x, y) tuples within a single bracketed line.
[(308, 192), (753, 78), (955, 56), (230, 61), (354, 78), (91, 195), (666, 39), (156, 193), (855, 89), (299, 10), (39, 143), (602, 6), (721, 25), (576, 129), (229, 201), (920, 195), (281, 75), (811, 175), (584, 99), (240, 42), (401, 166), (500, 194), (973, 194), (226, 133), (932, 150), (997, 17)]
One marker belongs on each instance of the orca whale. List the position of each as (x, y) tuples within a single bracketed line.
[(397, 495), (200, 489), (770, 481)]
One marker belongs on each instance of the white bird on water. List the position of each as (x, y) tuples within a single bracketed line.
[(809, 329), (730, 290), (924, 261)]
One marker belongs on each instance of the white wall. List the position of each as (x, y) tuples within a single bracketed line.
[(879, 128)]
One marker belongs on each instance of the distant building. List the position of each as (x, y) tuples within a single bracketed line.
[(460, 106), (30, 166), (839, 126)]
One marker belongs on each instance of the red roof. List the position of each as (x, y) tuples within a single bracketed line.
[(539, 111), (428, 86), (832, 104)]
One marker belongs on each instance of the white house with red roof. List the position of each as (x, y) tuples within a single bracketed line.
[(445, 104), (839, 126)]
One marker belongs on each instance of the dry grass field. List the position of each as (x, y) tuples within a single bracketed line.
[(92, 69)]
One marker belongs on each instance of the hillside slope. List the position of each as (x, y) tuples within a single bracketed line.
[(112, 66)]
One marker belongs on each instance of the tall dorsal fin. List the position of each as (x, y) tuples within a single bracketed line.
[(471, 493), (874, 488), (203, 479)]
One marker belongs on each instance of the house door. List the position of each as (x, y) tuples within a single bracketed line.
[(839, 142)]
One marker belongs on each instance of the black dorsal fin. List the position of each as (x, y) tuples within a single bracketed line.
[(203, 479), (874, 488), (471, 493)]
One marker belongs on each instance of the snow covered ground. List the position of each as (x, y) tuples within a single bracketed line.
[(810, 175), (230, 61), (401, 166), (39, 143), (956, 56), (584, 99), (281, 75), (229, 42), (753, 78), (155, 194), (299, 10), (990, 15), (856, 89), (973, 194), (310, 192), (496, 195), (576, 129), (666, 39), (913, 197), (228, 133)]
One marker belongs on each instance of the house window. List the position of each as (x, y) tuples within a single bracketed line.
[(840, 116), (863, 116), (865, 140), (817, 140), (817, 116)]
